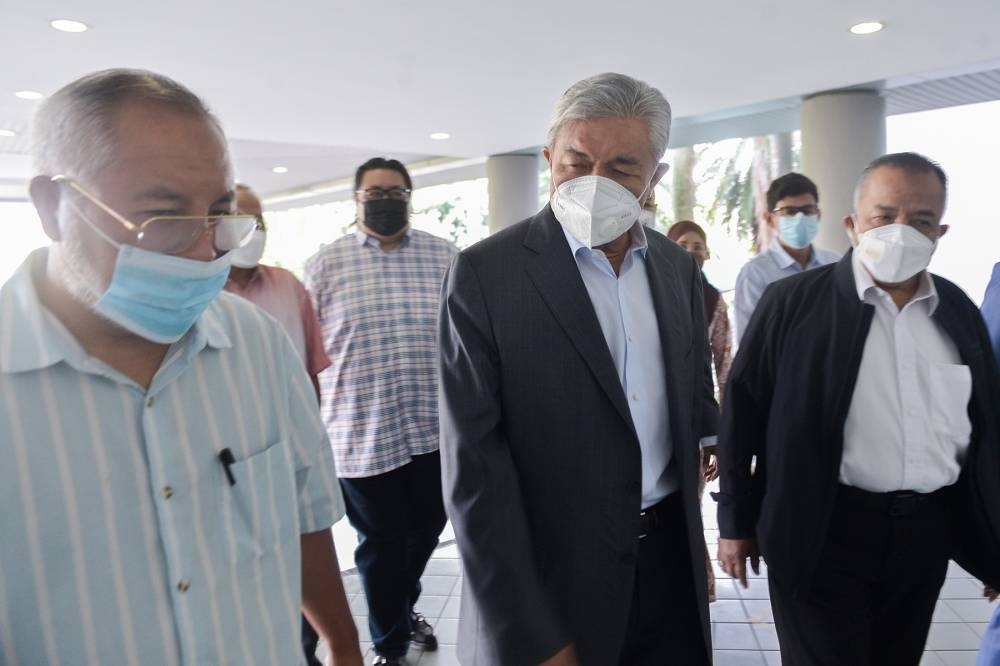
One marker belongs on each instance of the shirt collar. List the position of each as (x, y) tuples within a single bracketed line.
[(639, 241), (785, 260), (32, 338), (365, 239), (864, 283)]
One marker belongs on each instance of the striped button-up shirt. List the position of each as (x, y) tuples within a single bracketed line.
[(378, 312), (121, 540)]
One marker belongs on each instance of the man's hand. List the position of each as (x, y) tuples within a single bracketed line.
[(350, 657), (990, 594), (565, 657), (733, 554), (710, 463), (324, 601)]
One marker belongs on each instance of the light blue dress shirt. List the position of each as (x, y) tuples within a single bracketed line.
[(769, 266), (624, 307), (121, 540)]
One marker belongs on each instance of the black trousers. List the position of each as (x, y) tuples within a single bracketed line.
[(878, 580), (664, 625), (398, 516), (310, 641)]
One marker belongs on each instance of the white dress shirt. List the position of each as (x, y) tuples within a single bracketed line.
[(908, 425), (624, 307)]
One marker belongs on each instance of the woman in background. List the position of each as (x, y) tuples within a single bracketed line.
[(692, 238)]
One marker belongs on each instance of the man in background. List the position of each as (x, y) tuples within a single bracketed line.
[(376, 293), (280, 294), (793, 214)]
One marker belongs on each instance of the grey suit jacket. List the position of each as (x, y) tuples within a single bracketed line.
[(541, 462)]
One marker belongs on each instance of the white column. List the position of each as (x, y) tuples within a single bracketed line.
[(841, 133), (513, 189)]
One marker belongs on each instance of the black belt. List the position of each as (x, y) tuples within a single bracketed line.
[(897, 503), (654, 518)]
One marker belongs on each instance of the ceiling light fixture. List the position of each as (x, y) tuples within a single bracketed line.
[(440, 136), (69, 25), (28, 94), (7, 132), (280, 169), (867, 27)]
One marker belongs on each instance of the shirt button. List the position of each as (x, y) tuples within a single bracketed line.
[(167, 492), (183, 585), (635, 396), (149, 402), (630, 338)]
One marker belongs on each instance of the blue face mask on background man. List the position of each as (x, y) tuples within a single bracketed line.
[(798, 230)]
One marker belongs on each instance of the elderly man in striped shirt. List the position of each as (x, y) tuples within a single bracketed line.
[(376, 295), (167, 486)]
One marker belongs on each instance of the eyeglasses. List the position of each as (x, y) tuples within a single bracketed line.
[(176, 234), (376, 193), (789, 211)]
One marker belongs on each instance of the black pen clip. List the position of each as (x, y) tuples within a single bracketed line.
[(226, 456)]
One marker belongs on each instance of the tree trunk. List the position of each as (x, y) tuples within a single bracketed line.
[(760, 179), (684, 188), (781, 153)]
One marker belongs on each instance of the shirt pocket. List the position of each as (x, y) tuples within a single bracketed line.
[(261, 509), (950, 391)]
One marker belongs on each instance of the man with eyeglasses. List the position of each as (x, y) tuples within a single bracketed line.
[(167, 485), (376, 294), (793, 214)]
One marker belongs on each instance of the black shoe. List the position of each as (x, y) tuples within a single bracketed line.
[(421, 633), (382, 660)]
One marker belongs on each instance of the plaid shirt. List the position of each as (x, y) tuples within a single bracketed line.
[(378, 313)]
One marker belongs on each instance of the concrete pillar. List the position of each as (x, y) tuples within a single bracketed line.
[(842, 132), (513, 189)]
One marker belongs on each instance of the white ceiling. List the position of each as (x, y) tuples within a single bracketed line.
[(319, 86)]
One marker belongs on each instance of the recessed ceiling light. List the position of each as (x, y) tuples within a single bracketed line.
[(69, 25), (28, 94), (867, 27), (440, 136), (7, 132), (280, 169)]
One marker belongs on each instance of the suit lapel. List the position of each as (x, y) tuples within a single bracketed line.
[(671, 312), (557, 278)]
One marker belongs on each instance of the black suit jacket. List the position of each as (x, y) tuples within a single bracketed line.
[(542, 467), (787, 400)]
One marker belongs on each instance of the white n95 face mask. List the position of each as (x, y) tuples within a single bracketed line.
[(895, 252), (594, 209), (249, 255)]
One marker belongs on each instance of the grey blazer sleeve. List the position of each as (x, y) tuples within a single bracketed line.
[(517, 621)]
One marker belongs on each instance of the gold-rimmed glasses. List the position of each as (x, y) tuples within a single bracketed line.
[(176, 234)]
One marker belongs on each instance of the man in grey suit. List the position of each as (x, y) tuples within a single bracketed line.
[(575, 386)]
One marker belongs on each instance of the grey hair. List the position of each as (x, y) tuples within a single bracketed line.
[(73, 130), (612, 95), (911, 163)]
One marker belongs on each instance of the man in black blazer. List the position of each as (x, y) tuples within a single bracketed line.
[(866, 392), (574, 391)]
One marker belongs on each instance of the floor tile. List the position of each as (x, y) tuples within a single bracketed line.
[(952, 636), (725, 589), (446, 631), (733, 636), (352, 583), (944, 613), (727, 610), (431, 605), (443, 567), (446, 552), (756, 589), (440, 585), (972, 610), (452, 608), (767, 637), (961, 588), (758, 610), (773, 657), (955, 571), (359, 605), (737, 658), (979, 627), (930, 659), (958, 658), (443, 656)]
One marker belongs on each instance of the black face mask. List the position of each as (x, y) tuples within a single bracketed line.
[(386, 216)]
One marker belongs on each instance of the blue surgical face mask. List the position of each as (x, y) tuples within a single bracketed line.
[(798, 230), (156, 296)]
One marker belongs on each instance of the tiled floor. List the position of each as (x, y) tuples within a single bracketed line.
[(742, 624)]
